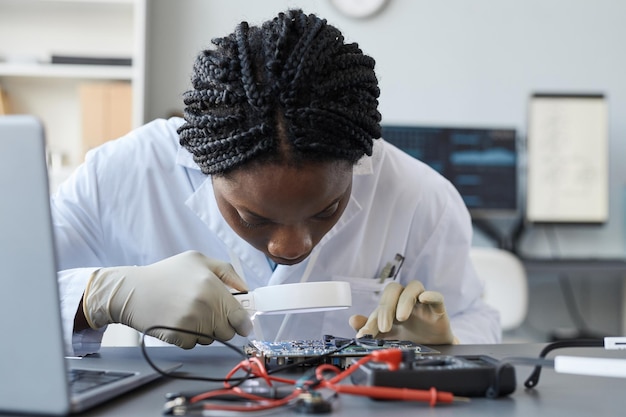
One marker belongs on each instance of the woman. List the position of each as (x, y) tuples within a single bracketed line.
[(277, 170)]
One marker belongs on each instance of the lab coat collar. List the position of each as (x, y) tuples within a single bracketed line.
[(204, 205), (363, 166), (185, 158)]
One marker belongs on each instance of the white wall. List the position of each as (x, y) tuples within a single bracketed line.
[(450, 61)]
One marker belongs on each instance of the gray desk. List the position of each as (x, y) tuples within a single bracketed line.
[(555, 395), (575, 265)]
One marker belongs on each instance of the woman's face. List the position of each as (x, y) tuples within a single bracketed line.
[(284, 211)]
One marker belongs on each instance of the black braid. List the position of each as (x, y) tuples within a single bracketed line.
[(290, 91)]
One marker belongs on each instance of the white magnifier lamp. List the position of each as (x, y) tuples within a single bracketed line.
[(303, 297)]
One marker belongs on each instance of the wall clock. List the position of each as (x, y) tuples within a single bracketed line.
[(359, 9)]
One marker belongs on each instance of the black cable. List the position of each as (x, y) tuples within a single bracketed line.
[(566, 288), (571, 305), (494, 390), (237, 381), (533, 379), (516, 235), (177, 375)]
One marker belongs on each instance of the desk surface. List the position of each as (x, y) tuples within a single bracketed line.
[(552, 265), (555, 395)]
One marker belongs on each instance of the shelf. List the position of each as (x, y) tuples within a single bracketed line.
[(105, 2), (88, 1), (33, 31), (94, 72)]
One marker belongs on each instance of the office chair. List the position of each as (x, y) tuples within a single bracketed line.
[(506, 286)]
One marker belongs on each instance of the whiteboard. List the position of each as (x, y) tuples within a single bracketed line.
[(567, 146)]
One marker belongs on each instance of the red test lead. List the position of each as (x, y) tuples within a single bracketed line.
[(432, 396)]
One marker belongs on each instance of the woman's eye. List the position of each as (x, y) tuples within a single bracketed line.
[(246, 224), (329, 212), (251, 224)]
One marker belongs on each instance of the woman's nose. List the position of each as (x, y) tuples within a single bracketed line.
[(290, 242)]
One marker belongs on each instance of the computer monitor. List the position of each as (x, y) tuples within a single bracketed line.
[(480, 162)]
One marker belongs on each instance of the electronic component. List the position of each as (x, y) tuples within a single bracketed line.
[(312, 402), (330, 349), (468, 376), (615, 343)]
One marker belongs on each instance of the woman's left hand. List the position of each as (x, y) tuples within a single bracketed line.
[(407, 313)]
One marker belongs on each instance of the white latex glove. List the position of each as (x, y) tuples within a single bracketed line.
[(187, 291), (410, 313)]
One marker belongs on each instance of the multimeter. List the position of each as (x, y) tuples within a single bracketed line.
[(467, 376)]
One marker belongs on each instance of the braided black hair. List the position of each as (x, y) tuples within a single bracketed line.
[(290, 91)]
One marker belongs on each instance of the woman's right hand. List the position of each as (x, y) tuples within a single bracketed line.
[(187, 291)]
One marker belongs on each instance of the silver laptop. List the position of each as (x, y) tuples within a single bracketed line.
[(35, 373)]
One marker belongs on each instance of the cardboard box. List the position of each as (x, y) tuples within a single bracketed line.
[(106, 112)]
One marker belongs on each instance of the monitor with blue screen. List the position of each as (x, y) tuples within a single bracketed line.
[(480, 162)]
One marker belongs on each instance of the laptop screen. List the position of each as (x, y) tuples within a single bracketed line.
[(30, 318)]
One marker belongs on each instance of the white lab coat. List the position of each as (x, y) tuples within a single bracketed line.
[(141, 198)]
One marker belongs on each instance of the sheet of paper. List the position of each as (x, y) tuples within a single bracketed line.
[(567, 159)]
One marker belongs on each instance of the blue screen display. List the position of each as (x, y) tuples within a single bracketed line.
[(480, 162)]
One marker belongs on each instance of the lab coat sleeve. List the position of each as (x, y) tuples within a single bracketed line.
[(78, 244), (71, 286), (479, 324), (105, 213), (101, 212)]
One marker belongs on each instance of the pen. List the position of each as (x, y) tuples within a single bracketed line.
[(392, 268)]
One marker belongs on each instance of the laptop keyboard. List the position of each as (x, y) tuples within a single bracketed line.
[(82, 380)]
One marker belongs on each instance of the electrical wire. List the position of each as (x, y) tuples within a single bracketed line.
[(178, 375), (236, 397), (571, 304), (565, 285), (282, 392), (533, 379), (323, 377)]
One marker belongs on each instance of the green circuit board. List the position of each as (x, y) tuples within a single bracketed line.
[(329, 349)]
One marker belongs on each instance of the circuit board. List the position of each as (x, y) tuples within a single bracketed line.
[(330, 349)]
